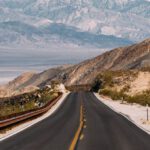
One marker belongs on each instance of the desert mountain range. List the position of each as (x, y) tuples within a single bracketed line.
[(131, 57)]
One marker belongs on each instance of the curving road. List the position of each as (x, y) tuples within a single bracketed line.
[(107, 130), (103, 129), (53, 133)]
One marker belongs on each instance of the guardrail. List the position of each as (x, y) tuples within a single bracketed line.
[(27, 115)]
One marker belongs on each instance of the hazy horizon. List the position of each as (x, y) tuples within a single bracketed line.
[(22, 60)]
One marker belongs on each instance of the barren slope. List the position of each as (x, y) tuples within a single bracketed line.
[(132, 57)]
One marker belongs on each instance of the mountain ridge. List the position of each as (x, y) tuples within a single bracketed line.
[(122, 19), (124, 58), (133, 57), (55, 33)]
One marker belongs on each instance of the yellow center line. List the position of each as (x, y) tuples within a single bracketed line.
[(81, 137), (77, 135), (84, 120)]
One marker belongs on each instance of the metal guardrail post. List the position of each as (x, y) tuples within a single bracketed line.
[(147, 110)]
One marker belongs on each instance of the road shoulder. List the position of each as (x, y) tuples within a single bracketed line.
[(133, 112)]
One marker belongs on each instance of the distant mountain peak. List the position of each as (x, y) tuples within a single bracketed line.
[(127, 19)]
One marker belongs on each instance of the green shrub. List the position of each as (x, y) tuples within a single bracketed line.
[(145, 69), (107, 77), (115, 95), (26, 102), (142, 99)]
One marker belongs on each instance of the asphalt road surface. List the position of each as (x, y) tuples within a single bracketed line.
[(103, 129), (107, 130)]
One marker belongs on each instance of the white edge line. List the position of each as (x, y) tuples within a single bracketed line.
[(122, 114), (52, 110)]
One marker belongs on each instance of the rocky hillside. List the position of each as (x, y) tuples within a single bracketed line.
[(28, 82), (132, 57), (132, 86)]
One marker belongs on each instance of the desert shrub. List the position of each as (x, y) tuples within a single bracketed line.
[(108, 77), (145, 69), (26, 102), (125, 88), (115, 95), (142, 99)]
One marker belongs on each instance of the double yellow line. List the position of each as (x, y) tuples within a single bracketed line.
[(79, 130)]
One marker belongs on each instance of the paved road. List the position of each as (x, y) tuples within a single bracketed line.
[(53, 133), (104, 129)]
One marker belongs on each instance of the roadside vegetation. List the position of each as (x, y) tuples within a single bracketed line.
[(116, 85), (145, 69), (26, 102), (142, 99)]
